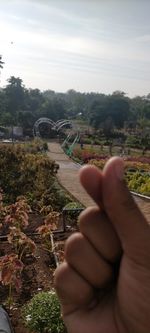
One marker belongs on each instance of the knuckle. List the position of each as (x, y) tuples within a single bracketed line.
[(73, 246), (87, 217)]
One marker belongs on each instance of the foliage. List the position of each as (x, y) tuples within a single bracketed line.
[(133, 141), (86, 154), (24, 170), (111, 110), (98, 163), (17, 213), (73, 205), (20, 242), (49, 225), (72, 211), (22, 107), (94, 155), (45, 146), (137, 174), (1, 62), (11, 268), (15, 217), (2, 209), (139, 159), (139, 183), (10, 273), (42, 314), (55, 196)]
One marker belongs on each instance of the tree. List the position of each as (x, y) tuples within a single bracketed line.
[(115, 107), (3, 102), (119, 93), (118, 109), (53, 109), (26, 120), (15, 94), (33, 100), (1, 62)]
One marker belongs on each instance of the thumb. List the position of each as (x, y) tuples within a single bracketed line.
[(128, 221)]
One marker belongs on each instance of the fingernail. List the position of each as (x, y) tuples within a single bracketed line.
[(119, 169)]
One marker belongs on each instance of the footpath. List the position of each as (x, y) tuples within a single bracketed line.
[(68, 177), (68, 174)]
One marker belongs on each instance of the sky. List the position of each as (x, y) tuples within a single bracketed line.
[(86, 45)]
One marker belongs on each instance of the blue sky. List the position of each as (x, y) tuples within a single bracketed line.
[(85, 45)]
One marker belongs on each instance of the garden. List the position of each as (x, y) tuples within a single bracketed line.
[(137, 166), (36, 217), (36, 214)]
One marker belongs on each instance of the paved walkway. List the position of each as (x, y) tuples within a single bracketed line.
[(68, 178), (68, 174)]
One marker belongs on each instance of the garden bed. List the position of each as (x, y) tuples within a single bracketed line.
[(38, 269), (37, 275)]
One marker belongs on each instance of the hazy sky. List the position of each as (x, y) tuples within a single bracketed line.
[(86, 45)]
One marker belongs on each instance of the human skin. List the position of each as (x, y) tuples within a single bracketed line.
[(104, 283)]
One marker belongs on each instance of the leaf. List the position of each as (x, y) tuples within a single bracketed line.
[(17, 283), (6, 275), (18, 264)]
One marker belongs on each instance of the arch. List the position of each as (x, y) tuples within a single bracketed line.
[(36, 131), (55, 125), (62, 123)]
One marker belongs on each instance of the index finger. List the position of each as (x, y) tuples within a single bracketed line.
[(91, 180)]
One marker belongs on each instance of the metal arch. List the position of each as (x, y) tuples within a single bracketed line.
[(55, 125), (60, 121), (36, 131), (63, 123)]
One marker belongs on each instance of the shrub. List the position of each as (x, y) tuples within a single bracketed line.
[(22, 172), (54, 196), (45, 146), (42, 314), (30, 174), (73, 205), (87, 141), (98, 163), (13, 221), (86, 154), (139, 183), (72, 211), (137, 174), (133, 142)]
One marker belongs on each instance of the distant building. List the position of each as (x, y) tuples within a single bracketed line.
[(17, 131)]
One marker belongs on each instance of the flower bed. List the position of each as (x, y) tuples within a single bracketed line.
[(137, 174), (85, 155), (137, 169)]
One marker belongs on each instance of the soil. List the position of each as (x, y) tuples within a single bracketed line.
[(37, 276), (38, 271)]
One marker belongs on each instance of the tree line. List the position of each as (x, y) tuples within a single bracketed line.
[(20, 106)]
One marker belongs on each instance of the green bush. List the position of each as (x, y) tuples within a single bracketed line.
[(55, 196), (97, 141), (72, 211), (87, 141), (73, 205), (45, 146), (133, 142), (32, 175), (22, 172), (42, 314), (139, 183)]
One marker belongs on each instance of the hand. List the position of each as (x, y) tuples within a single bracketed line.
[(104, 284)]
